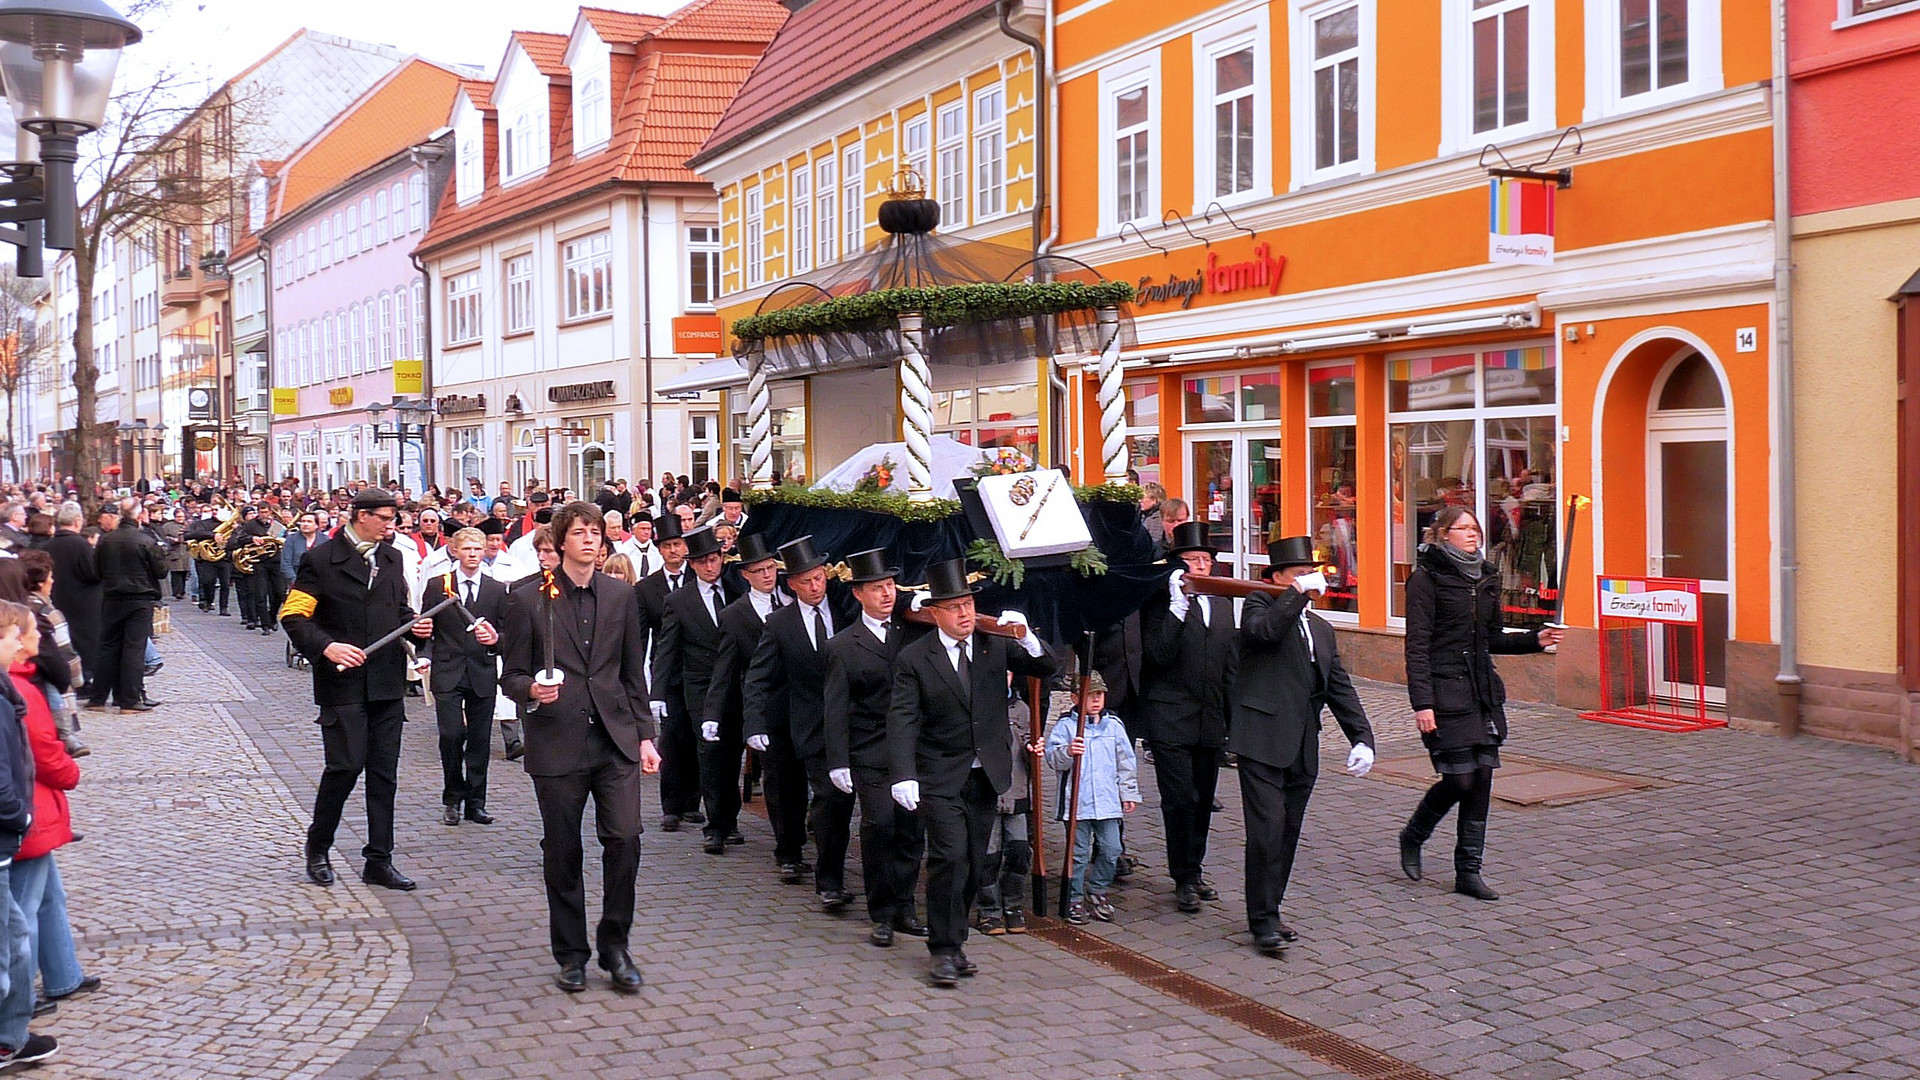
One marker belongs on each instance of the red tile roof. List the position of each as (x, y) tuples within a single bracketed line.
[(724, 20), (397, 112), (547, 51), (480, 91), (830, 44), (684, 97), (625, 27)]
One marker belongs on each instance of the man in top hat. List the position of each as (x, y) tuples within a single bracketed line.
[(859, 688), (349, 592), (723, 727), (733, 509), (679, 752), (464, 675), (1187, 678), (948, 752), (1289, 669), (786, 720), (686, 649)]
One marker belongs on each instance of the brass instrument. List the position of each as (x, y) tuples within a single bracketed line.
[(248, 558), (215, 549)]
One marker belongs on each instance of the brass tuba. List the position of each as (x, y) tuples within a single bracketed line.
[(215, 549), (247, 559)]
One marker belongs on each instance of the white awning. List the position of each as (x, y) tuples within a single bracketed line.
[(721, 374)]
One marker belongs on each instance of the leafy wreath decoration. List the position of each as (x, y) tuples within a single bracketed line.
[(946, 305)]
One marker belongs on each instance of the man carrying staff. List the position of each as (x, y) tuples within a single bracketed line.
[(858, 691), (1289, 670), (465, 675), (586, 735), (347, 593), (947, 745)]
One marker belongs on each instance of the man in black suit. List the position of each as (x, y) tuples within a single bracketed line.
[(1289, 670), (679, 751), (575, 660), (347, 593), (1188, 680), (723, 727), (859, 688), (686, 649), (131, 567), (784, 723), (947, 745), (76, 588), (465, 675)]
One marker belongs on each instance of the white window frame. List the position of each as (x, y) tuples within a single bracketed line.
[(1456, 75), (416, 202), (592, 116), (326, 243), (1302, 15), (706, 248), (380, 216), (1846, 17), (518, 273), (826, 209), (370, 334), (800, 217), (1704, 73), (916, 147), (753, 238), (419, 291), (853, 201), (1249, 30), (366, 223), (328, 366), (469, 177), (989, 145), (339, 236), (463, 310), (357, 347), (353, 230), (1125, 77), (586, 261), (386, 330), (951, 154), (399, 209)]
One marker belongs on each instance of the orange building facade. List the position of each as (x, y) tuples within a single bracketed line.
[(1324, 347)]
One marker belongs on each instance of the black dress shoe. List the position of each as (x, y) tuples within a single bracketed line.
[(881, 935), (385, 876), (670, 823), (451, 815), (478, 815), (967, 968), (516, 750), (319, 868), (150, 703), (248, 625), (790, 872), (137, 708), (714, 845), (1187, 898), (735, 838), (833, 900), (945, 972), (1287, 933), (621, 969), (1206, 890), (1270, 943), (908, 925), (571, 977), (694, 817)]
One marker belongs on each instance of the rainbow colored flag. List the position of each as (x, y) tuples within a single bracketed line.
[(1520, 224)]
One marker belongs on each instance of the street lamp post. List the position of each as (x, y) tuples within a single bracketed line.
[(411, 420)]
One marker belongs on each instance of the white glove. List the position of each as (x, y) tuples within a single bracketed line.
[(1028, 641), (1360, 762), (907, 794), (917, 599), (710, 730), (1177, 598), (1313, 582), (659, 709), (759, 743), (842, 779)]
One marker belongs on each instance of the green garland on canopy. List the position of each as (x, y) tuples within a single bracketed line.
[(904, 508), (946, 305)]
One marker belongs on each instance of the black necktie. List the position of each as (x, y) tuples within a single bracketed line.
[(470, 591), (644, 571), (716, 604), (964, 669), (819, 630)]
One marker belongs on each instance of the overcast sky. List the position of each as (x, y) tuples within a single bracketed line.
[(216, 39)]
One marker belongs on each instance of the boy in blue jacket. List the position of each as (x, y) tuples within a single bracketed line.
[(1109, 788)]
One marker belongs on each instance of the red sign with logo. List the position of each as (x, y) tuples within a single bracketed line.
[(697, 335), (1218, 278)]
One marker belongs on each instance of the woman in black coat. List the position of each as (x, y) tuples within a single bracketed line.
[(1453, 630)]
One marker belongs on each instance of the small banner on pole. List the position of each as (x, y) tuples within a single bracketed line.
[(409, 377), (286, 401), (1520, 225)]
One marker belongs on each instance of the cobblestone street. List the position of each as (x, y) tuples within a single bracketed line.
[(1750, 913)]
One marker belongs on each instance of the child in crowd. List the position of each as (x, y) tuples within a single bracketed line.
[(1001, 907), (1109, 788)]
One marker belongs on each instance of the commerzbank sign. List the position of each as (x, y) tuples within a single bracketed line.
[(1215, 278)]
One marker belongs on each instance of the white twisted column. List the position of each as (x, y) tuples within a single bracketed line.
[(1113, 406), (759, 422), (916, 407)]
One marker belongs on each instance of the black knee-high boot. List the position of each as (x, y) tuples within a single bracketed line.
[(1471, 847), (1426, 817)]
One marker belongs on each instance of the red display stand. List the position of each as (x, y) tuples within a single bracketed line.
[(1652, 655)]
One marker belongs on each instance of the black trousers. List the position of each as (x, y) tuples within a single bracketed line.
[(212, 575), (1188, 777), (125, 625), (179, 582), (1276, 802), (957, 828), (243, 591), (786, 788), (830, 823), (269, 592), (719, 781), (614, 783), (359, 738), (891, 842), (680, 763), (466, 731)]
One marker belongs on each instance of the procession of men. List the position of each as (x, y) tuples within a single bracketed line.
[(843, 690)]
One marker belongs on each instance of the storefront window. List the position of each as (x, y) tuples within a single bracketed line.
[(1479, 430), (787, 423), (1209, 400), (1332, 476), (988, 407), (590, 456), (524, 457), (1260, 397), (468, 455), (1143, 429)]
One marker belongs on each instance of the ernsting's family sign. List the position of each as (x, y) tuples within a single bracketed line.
[(1218, 278)]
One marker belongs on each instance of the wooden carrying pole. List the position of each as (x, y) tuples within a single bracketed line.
[(1208, 585), (1036, 793), (1073, 800)]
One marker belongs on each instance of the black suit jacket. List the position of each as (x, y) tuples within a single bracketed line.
[(1279, 692), (606, 679), (787, 681), (740, 631), (933, 733), (1187, 672), (330, 601), (859, 688), (685, 650), (460, 662), (650, 593), (76, 587)]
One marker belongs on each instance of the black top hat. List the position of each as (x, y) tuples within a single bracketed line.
[(666, 527), (1190, 536), (754, 549), (1291, 551), (871, 565), (947, 580), (800, 556), (701, 543), (537, 497), (728, 495), (492, 527)]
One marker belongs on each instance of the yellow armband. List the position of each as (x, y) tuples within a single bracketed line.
[(298, 603)]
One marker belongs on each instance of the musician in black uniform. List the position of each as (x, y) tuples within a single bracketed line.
[(243, 582), (1188, 675), (947, 745), (723, 728), (347, 593), (679, 751), (685, 650), (1289, 670), (858, 691), (465, 676)]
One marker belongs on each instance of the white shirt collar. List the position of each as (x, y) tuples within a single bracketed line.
[(762, 601), (878, 626), (949, 642)]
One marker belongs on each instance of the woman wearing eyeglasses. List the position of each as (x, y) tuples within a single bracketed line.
[(1453, 630)]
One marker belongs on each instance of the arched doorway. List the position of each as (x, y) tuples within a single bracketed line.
[(1690, 503)]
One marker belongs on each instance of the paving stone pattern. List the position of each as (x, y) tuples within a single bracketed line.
[(1748, 915)]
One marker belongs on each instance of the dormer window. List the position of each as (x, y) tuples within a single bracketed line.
[(257, 204), (523, 143), (592, 119), (468, 176)]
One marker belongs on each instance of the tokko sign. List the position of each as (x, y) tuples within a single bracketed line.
[(1217, 279)]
